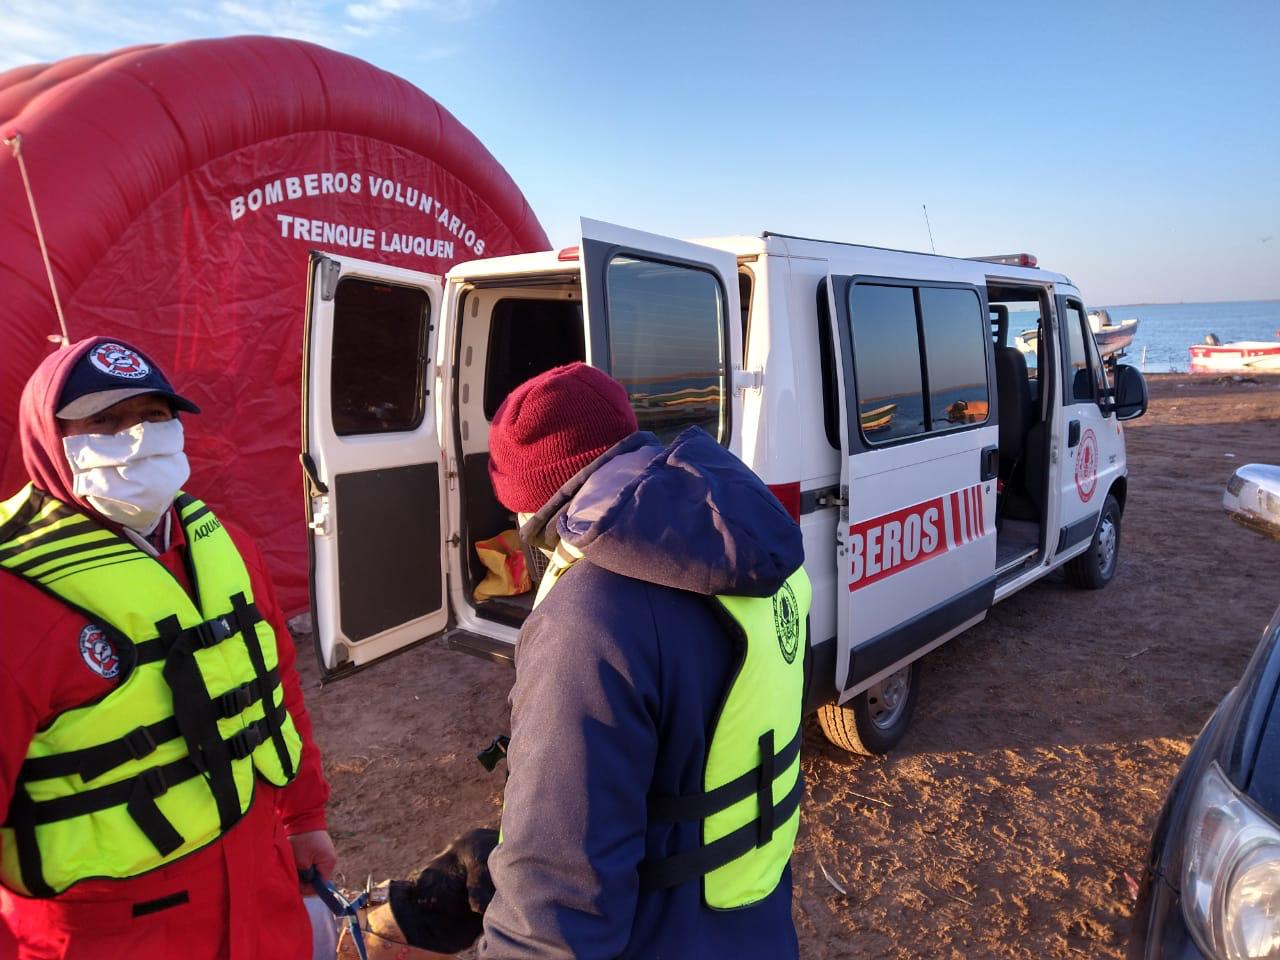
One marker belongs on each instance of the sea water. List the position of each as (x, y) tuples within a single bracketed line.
[(1166, 330)]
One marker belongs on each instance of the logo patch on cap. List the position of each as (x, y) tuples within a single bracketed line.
[(119, 361), (99, 652)]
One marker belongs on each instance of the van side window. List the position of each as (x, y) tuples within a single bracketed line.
[(1079, 384), (886, 355), (920, 359), (667, 344), (378, 377), (955, 355)]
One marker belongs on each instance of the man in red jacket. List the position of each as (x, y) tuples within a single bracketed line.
[(96, 862)]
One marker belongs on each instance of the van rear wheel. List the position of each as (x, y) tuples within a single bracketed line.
[(875, 720), (1096, 567)]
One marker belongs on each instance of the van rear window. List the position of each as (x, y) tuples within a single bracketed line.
[(920, 359), (379, 357), (667, 344)]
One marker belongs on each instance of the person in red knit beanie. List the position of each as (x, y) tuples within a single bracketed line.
[(625, 672), (550, 428)]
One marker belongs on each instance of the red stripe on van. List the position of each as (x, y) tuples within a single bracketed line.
[(896, 541), (788, 495)]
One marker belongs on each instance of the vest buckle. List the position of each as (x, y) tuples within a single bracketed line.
[(212, 632), (236, 700), (139, 742), (154, 781), (243, 742)]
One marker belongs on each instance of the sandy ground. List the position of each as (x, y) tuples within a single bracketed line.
[(1012, 818)]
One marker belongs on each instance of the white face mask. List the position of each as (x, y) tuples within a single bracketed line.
[(130, 477)]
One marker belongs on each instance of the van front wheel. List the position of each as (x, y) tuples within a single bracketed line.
[(875, 720), (1096, 567)]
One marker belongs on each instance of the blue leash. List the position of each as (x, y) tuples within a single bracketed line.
[(339, 906)]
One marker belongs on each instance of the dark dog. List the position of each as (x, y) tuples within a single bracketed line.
[(443, 910)]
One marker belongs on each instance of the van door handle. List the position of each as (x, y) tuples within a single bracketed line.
[(1073, 433), (990, 462)]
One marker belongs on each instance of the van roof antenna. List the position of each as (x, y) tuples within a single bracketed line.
[(925, 208)]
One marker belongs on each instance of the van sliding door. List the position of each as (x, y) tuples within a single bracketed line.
[(916, 542), (371, 453), (663, 318)]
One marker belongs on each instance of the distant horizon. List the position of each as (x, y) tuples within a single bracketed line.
[(1177, 303)]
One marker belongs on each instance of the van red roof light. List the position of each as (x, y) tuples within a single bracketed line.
[(568, 253), (1011, 259)]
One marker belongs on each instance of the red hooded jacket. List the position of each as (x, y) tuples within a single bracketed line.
[(236, 899)]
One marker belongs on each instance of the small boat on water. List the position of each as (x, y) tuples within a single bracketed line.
[(1111, 338), (1242, 356), (879, 418)]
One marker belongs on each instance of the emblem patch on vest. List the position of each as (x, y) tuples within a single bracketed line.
[(786, 622), (98, 652), (119, 361)]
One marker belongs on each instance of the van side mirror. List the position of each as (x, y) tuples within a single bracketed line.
[(1252, 498), (1130, 393)]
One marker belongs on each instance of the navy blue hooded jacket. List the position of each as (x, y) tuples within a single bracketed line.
[(619, 676)]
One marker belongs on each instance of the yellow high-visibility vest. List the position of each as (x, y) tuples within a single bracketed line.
[(750, 800), (165, 763)]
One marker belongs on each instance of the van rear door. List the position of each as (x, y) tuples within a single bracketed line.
[(663, 318), (371, 454), (916, 542)]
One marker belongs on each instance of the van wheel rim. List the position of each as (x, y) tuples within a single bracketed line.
[(888, 698), (1106, 546)]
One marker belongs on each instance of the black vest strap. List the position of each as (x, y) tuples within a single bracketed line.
[(240, 620), (137, 793), (699, 806), (685, 867), (244, 611), (30, 863), (92, 762), (197, 719), (146, 814)]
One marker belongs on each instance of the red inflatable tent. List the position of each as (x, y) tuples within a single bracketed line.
[(180, 188)]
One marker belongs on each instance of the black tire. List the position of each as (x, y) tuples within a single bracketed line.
[(864, 725), (1096, 567)]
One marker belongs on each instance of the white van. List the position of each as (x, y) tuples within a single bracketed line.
[(933, 467)]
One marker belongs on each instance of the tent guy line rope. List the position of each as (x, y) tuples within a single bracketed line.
[(14, 143)]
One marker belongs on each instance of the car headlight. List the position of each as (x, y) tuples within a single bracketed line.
[(1231, 873)]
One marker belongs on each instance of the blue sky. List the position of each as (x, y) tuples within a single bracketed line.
[(1135, 147)]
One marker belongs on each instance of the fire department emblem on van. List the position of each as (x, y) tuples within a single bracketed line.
[(98, 652), (786, 622), (119, 361), (1087, 466)]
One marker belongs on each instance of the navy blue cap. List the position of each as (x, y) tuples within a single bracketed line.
[(111, 371)]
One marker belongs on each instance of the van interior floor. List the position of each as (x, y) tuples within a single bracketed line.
[(1016, 542), (509, 610)]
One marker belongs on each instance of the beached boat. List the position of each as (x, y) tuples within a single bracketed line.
[(879, 418), (1243, 356), (1111, 337)]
